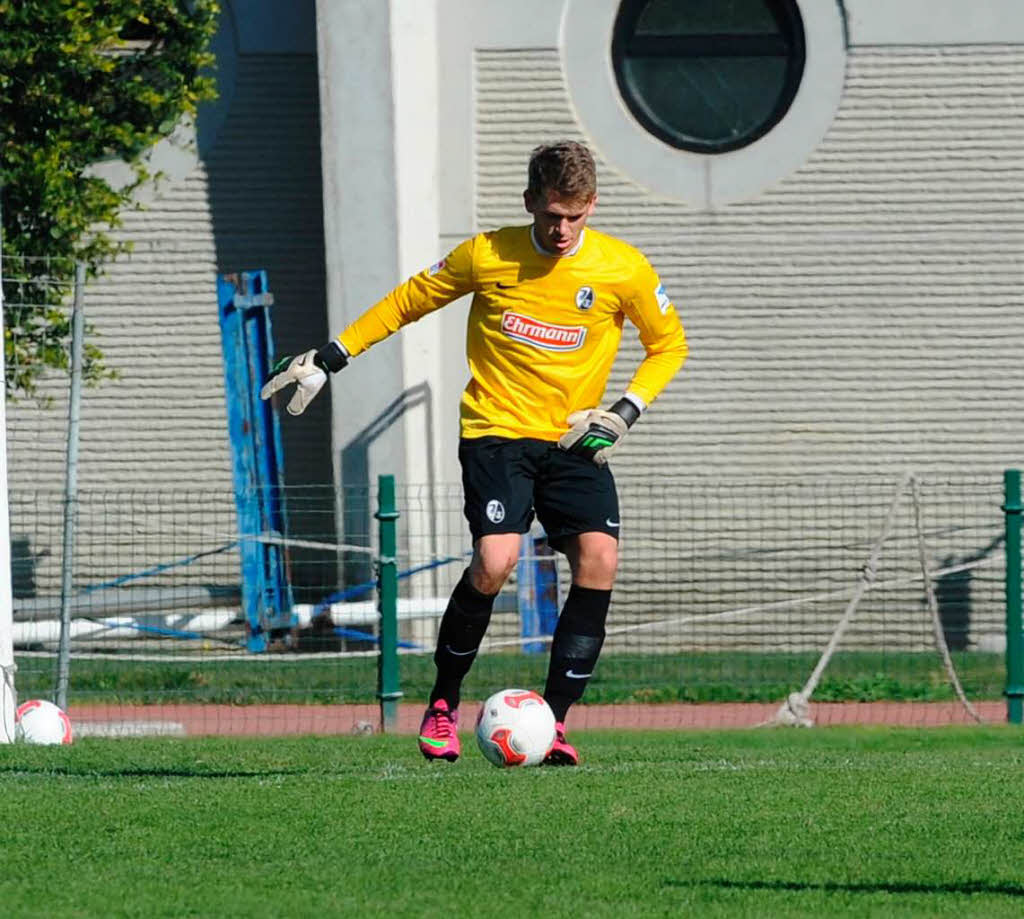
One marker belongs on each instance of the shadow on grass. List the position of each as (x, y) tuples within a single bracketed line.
[(896, 887), (131, 772)]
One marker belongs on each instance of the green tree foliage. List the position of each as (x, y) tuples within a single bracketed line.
[(82, 81)]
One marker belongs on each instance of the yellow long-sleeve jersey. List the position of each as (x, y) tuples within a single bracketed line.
[(543, 330)]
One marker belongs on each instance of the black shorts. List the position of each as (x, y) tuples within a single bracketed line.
[(505, 481)]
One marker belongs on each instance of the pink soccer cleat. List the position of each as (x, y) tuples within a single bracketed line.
[(438, 739), (562, 752)]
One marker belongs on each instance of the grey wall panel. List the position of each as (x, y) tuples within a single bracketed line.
[(863, 315)]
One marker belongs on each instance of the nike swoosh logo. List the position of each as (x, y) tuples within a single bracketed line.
[(451, 650), (610, 523), (573, 675), (501, 286)]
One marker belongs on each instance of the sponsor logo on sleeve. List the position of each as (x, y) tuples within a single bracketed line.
[(435, 268), (544, 335), (663, 301)]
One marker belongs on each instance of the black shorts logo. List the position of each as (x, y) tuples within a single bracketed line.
[(495, 511)]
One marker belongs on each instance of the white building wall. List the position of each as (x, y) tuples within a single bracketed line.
[(863, 315), (393, 410), (853, 309), (860, 314)]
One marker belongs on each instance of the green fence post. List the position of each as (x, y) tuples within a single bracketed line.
[(387, 581), (1014, 634)]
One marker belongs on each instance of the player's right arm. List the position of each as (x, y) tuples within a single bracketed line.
[(596, 433), (432, 288)]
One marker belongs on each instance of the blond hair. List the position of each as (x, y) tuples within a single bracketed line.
[(566, 168)]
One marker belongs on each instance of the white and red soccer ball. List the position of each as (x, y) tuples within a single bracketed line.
[(515, 727), (40, 722)]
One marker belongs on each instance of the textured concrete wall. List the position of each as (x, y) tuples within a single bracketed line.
[(864, 314)]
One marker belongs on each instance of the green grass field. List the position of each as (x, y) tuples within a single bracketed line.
[(774, 823)]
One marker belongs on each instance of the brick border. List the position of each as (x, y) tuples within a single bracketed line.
[(281, 720)]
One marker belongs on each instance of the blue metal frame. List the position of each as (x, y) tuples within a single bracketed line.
[(256, 453), (537, 590)]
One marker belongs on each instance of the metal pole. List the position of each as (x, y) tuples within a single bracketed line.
[(8, 698), (71, 488), (387, 580), (1014, 635)]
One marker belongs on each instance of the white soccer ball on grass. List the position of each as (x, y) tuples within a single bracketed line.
[(40, 722), (516, 727)]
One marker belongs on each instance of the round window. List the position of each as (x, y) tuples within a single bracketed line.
[(708, 75)]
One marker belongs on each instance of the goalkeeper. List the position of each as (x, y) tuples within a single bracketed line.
[(549, 302)]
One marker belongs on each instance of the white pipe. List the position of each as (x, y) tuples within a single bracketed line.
[(47, 631), (365, 612)]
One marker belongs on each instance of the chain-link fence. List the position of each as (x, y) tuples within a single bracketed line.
[(739, 613)]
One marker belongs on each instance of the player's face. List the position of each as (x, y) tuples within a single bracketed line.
[(558, 221)]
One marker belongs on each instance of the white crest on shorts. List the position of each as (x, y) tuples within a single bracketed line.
[(495, 511), (585, 298)]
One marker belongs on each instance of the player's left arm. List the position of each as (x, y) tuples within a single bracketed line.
[(651, 310), (596, 433), (421, 294)]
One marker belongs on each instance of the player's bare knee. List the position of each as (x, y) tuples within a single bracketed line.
[(597, 570), (492, 563), (595, 563), (489, 580)]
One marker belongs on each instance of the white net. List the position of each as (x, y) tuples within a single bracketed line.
[(796, 710)]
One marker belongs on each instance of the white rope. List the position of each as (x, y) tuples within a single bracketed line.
[(933, 608), (798, 601), (7, 690), (867, 577), (273, 539), (748, 610), (210, 656), (795, 710)]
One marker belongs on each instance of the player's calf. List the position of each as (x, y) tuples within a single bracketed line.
[(575, 647)]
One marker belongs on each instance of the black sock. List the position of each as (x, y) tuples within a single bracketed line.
[(575, 647), (462, 629)]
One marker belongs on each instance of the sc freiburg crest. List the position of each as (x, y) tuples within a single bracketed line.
[(585, 298)]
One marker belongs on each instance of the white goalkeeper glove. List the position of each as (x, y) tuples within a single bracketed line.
[(595, 433), (308, 371)]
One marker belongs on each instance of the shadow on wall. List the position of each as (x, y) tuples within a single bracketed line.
[(953, 596), (357, 515), (266, 204), (23, 568)]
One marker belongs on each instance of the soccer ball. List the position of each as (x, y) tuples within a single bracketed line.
[(41, 722), (516, 727)]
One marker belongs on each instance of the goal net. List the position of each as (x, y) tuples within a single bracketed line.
[(795, 711), (854, 601)]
